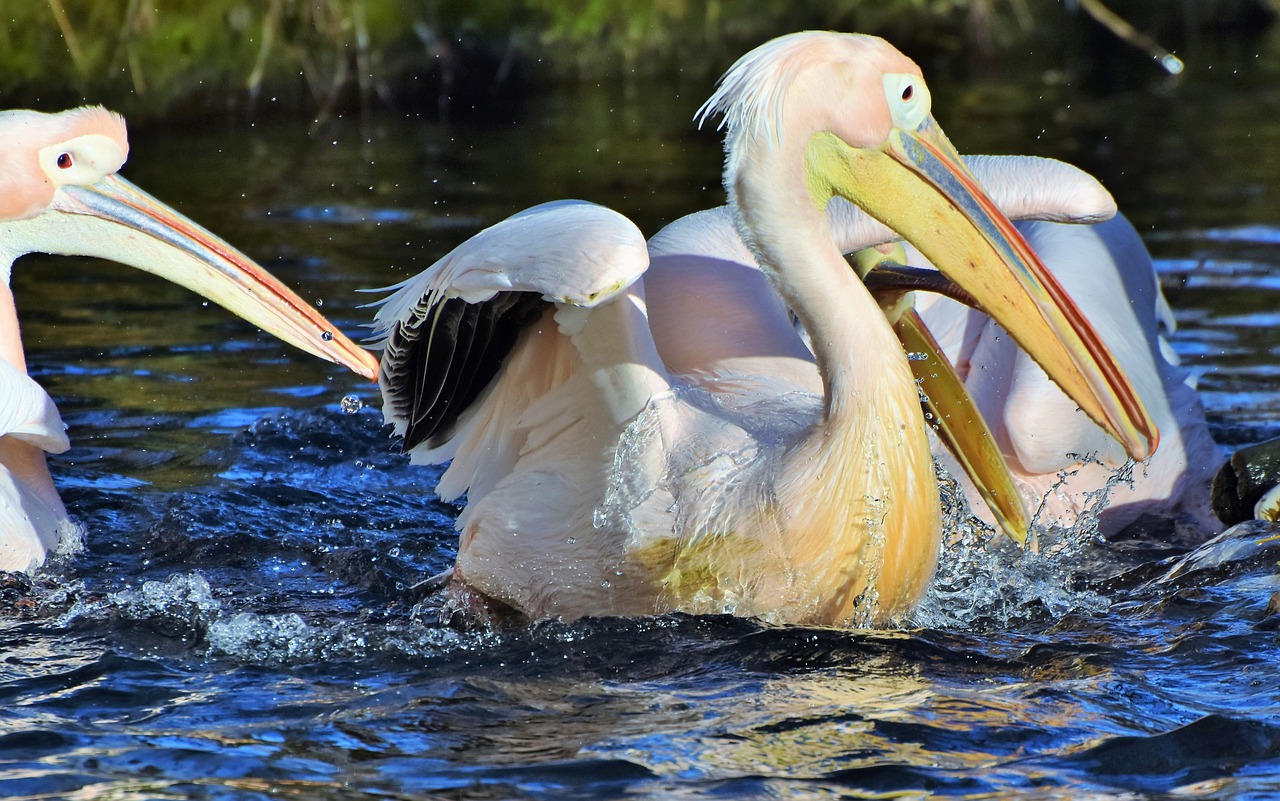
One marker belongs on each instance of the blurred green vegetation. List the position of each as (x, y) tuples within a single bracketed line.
[(199, 57)]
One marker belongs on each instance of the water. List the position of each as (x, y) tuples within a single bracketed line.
[(238, 626)]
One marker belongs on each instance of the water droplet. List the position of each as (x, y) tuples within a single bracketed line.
[(319, 302), (916, 356), (350, 404), (1172, 64), (327, 336)]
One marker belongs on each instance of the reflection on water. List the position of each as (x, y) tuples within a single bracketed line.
[(237, 626)]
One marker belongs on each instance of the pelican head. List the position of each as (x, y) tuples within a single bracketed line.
[(59, 193), (854, 115)]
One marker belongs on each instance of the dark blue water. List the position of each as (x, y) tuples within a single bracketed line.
[(237, 625)]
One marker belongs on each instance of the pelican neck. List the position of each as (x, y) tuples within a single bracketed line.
[(792, 239)]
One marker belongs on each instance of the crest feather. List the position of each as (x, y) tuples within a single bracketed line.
[(750, 95)]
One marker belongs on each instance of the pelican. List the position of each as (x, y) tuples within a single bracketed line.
[(1062, 464), (60, 194), (600, 481)]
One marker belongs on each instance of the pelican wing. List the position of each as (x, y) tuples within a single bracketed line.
[(437, 363), (1034, 188), (471, 343), (32, 518), (28, 413)]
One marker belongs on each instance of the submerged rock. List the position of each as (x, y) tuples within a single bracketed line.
[(1249, 476)]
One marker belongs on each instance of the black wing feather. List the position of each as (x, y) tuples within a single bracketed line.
[(438, 363)]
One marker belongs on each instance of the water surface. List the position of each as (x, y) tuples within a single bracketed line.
[(237, 625)]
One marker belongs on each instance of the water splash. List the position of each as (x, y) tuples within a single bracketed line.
[(71, 536), (182, 605), (264, 639), (984, 580), (186, 608), (1172, 64)]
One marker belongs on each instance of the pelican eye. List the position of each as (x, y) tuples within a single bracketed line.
[(908, 100), (81, 161)]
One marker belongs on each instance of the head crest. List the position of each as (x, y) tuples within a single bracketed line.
[(37, 129), (751, 94)]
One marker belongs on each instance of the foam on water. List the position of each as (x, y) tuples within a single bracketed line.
[(184, 596)]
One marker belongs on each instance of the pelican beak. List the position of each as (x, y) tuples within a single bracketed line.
[(118, 221), (948, 407), (917, 185)]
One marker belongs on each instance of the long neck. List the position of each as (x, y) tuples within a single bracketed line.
[(853, 343), (858, 493)]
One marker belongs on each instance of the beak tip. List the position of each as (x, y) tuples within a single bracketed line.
[(369, 366), (1143, 441), (1151, 444)]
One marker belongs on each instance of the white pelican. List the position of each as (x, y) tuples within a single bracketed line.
[(599, 481), (59, 194), (1044, 437)]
